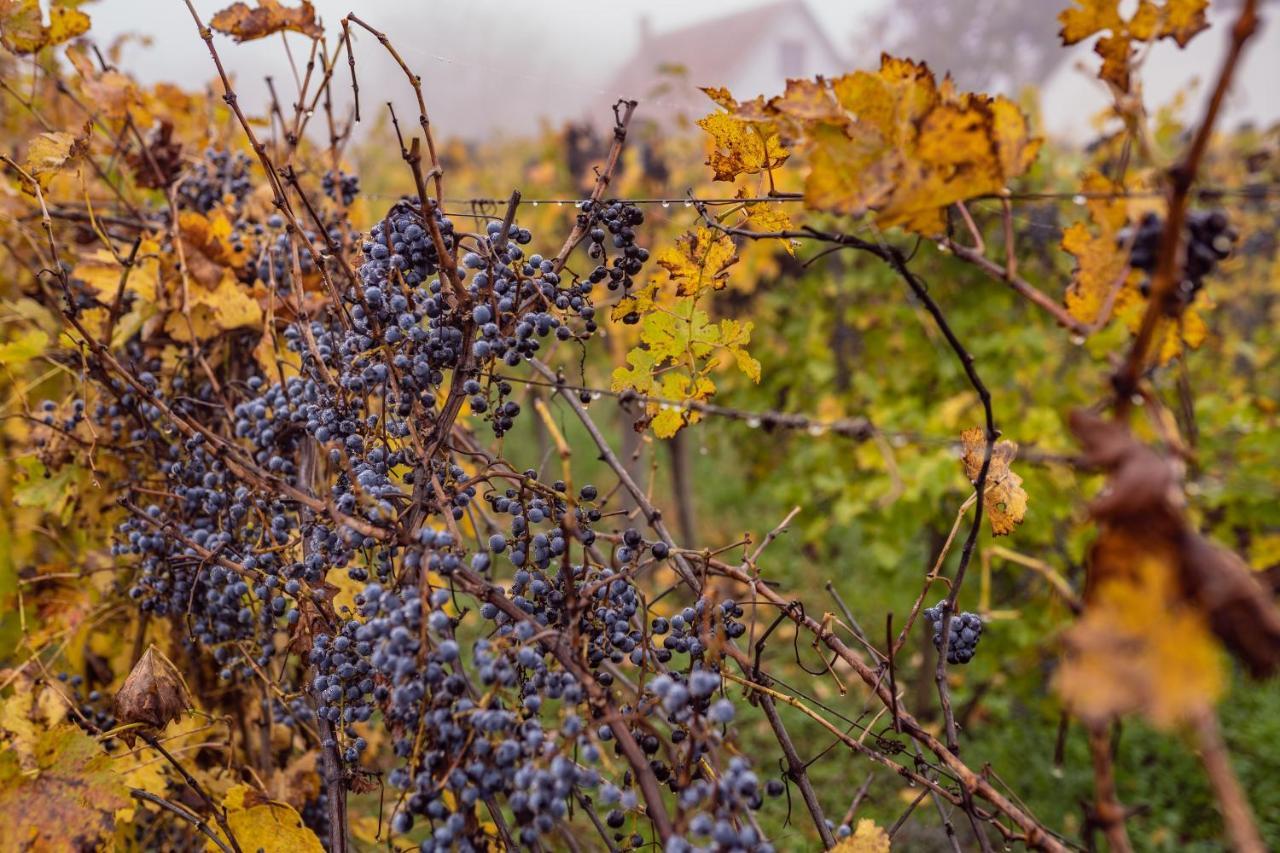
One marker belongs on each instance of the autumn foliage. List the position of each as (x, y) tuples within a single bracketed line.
[(340, 513)]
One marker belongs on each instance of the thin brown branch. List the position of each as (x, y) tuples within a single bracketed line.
[(1108, 813), (1242, 829)]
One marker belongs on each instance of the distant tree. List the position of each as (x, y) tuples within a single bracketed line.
[(984, 44)]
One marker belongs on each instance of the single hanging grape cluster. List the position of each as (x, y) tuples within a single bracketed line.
[(965, 630), (1209, 239)]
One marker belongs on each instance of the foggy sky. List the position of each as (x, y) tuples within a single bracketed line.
[(500, 65)]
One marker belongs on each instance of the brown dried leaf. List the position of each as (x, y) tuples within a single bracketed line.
[(245, 24), (1144, 487), (159, 163), (1241, 609), (154, 694)]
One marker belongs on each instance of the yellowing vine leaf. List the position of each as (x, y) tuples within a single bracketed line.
[(866, 838), (1150, 21), (51, 491), (1004, 501), (673, 362), (262, 824), (50, 153), (246, 24), (22, 29), (1173, 335), (23, 347), (1100, 258), (767, 218), (897, 143), (699, 261), (67, 799), (741, 145), (1102, 281)]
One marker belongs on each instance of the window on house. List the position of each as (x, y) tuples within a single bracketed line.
[(791, 58)]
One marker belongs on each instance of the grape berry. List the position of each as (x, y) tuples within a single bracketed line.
[(965, 630)]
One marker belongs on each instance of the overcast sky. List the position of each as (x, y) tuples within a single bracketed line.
[(500, 64)]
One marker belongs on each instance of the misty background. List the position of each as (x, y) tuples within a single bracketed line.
[(500, 67)]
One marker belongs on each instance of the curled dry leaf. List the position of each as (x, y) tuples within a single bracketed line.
[(1005, 501), (157, 165), (245, 24), (154, 694)]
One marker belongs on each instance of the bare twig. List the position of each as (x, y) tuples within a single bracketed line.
[(1108, 813), (189, 816), (1242, 829)]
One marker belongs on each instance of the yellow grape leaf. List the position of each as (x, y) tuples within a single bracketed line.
[(51, 491), (1140, 647), (1017, 147), (741, 146), (768, 218), (233, 306), (22, 29), (276, 360), (734, 337), (262, 824), (19, 729), (673, 362), (68, 802), (23, 347), (897, 143), (50, 153), (206, 242), (847, 174), (807, 100), (103, 274), (144, 769), (1100, 257), (699, 261), (1004, 500), (866, 838), (246, 24), (1150, 21)]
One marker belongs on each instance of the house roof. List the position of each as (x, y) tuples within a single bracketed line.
[(708, 52)]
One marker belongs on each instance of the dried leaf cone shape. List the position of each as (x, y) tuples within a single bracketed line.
[(154, 694)]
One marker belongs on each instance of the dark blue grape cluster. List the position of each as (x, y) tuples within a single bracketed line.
[(685, 631), (209, 183), (501, 667), (965, 630), (716, 809), (1209, 239), (615, 222), (341, 187)]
